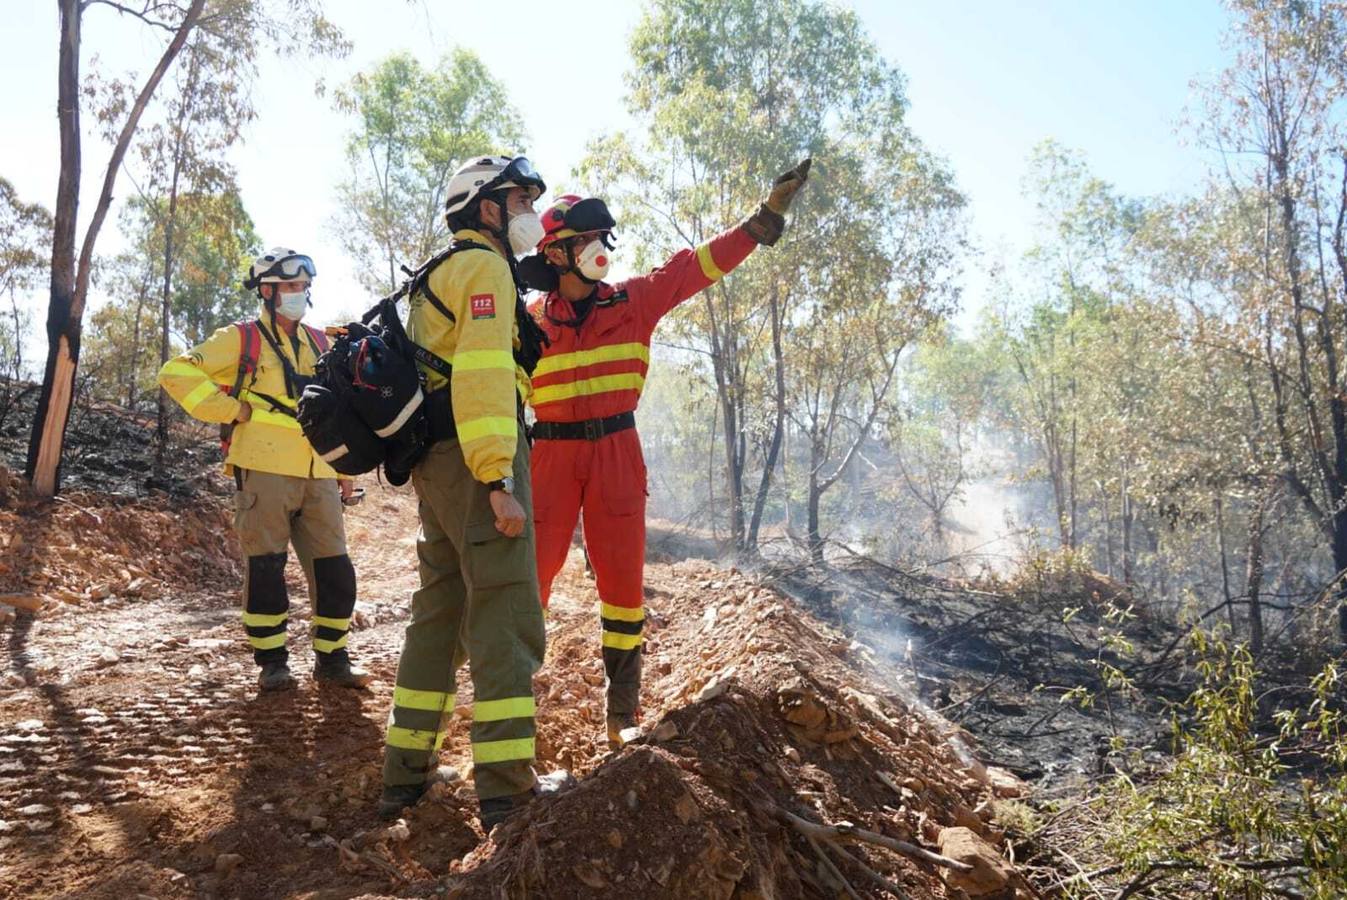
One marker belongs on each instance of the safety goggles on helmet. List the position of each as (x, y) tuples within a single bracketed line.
[(291, 267), (570, 216), (519, 173)]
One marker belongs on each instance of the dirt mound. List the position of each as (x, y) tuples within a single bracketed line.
[(161, 772), (88, 547), (761, 725)]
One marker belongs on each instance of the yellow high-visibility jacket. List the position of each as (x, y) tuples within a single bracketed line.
[(270, 441), (476, 287)]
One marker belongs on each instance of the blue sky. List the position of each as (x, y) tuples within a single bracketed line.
[(987, 81)]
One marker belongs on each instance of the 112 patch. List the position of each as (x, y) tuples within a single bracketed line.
[(483, 306)]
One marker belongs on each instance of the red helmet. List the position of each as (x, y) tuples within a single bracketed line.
[(572, 214)]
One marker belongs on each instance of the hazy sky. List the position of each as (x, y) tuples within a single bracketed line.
[(987, 80)]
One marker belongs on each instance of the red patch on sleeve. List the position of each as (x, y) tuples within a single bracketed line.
[(483, 306)]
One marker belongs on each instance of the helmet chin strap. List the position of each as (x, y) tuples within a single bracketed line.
[(574, 269)]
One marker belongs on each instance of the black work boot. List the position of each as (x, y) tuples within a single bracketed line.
[(275, 677), (397, 797), (336, 669), (496, 810)]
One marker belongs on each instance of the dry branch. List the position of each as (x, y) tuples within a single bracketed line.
[(845, 831), (30, 602)]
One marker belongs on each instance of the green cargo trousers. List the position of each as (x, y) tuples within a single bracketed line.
[(479, 597)]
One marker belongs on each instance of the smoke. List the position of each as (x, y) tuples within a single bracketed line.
[(993, 515)]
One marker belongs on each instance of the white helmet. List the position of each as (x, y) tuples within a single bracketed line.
[(485, 174), (280, 264)]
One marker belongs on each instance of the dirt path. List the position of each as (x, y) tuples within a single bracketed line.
[(138, 760), (135, 750)]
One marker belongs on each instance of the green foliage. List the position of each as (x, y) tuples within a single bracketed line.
[(215, 243), (802, 341), (1241, 808), (25, 250), (414, 128)]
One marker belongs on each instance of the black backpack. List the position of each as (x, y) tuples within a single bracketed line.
[(366, 405)]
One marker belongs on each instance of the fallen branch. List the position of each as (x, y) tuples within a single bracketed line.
[(845, 831), (832, 869), (30, 602), (870, 873)]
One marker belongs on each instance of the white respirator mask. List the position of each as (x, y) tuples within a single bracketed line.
[(526, 230), (593, 262), (293, 306)]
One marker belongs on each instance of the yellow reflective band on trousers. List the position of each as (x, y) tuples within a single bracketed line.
[(621, 641), (621, 613), (487, 426), (708, 264), (433, 701), (326, 646), (611, 353), (326, 622), (628, 381), (498, 710), (476, 360), (502, 751), (264, 620), (271, 642), (413, 738)]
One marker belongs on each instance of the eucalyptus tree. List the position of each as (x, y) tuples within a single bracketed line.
[(414, 127), (726, 94), (240, 30)]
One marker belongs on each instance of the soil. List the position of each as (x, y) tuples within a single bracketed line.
[(138, 760)]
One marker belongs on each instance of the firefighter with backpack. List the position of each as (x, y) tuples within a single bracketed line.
[(479, 584), (248, 377), (586, 453)]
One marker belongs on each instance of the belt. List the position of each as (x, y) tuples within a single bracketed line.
[(440, 425), (588, 430)]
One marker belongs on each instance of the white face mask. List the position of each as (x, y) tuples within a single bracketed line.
[(526, 230), (593, 261), (293, 306)]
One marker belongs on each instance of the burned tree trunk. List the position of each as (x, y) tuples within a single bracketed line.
[(63, 329), (70, 282)]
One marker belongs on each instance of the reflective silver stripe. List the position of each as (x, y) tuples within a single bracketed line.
[(392, 427), (330, 455)]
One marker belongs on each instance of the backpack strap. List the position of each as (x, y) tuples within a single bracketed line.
[(250, 347), (421, 279), (317, 340)]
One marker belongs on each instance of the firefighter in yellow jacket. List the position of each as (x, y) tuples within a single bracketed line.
[(248, 378), (479, 581)]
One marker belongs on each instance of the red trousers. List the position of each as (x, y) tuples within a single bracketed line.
[(605, 481)]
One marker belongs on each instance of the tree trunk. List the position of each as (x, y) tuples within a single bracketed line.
[(815, 496), (133, 365), (1253, 569), (1225, 568), (1126, 529), (63, 329), (170, 221), (70, 282), (778, 426)]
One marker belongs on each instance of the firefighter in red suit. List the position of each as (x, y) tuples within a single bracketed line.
[(586, 452)]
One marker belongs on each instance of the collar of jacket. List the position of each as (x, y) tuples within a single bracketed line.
[(604, 295), (472, 234)]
